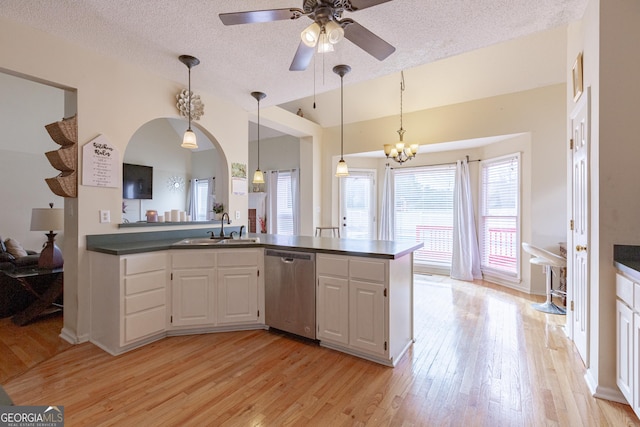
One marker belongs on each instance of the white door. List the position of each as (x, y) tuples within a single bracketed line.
[(237, 295), (193, 297), (333, 309), (366, 312), (578, 271), (358, 205)]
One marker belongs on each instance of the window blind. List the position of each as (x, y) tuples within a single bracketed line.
[(500, 216), (423, 209), (284, 201)]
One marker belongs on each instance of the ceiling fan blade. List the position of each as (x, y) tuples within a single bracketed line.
[(367, 41), (254, 16), (302, 58), (363, 4)]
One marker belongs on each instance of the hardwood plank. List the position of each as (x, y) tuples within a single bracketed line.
[(482, 357)]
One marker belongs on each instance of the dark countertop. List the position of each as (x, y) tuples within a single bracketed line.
[(132, 243), (626, 258)]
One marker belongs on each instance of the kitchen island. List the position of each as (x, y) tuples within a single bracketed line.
[(146, 286)]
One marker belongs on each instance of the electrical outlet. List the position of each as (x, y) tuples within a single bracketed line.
[(105, 216), (237, 214)]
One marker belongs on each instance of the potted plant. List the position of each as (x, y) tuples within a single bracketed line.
[(218, 208)]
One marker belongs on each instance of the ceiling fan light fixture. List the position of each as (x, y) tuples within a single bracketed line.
[(323, 44), (311, 34), (334, 32)]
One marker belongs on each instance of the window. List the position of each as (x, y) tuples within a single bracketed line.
[(423, 208), (283, 199), (201, 191), (500, 216)]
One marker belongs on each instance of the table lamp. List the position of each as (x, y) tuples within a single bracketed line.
[(51, 219)]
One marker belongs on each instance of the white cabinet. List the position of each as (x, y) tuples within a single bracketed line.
[(361, 309), (333, 309), (193, 279), (128, 299), (628, 340), (238, 296), (216, 289)]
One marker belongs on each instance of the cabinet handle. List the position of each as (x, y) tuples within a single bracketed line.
[(580, 248)]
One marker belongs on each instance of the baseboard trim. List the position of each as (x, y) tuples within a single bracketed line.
[(606, 393), (69, 336)]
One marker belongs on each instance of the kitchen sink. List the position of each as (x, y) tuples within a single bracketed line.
[(206, 241), (242, 241)]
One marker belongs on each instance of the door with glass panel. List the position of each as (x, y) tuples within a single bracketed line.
[(358, 205)]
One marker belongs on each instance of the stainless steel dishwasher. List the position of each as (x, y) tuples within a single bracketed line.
[(290, 292)]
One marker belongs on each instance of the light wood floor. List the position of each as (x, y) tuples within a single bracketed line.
[(482, 357)]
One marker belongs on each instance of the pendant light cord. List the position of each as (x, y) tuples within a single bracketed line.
[(189, 96), (258, 134), (401, 90), (341, 117)]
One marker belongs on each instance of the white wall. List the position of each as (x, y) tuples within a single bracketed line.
[(113, 99), (25, 108)]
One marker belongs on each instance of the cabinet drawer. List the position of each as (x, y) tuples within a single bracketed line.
[(238, 258), (145, 301), (332, 265), (624, 289), (145, 323), (144, 282), (145, 263), (367, 270), (193, 259)]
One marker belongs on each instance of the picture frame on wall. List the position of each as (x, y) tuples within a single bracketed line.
[(577, 78)]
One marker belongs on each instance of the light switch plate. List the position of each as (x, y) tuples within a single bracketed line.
[(105, 216), (237, 214)]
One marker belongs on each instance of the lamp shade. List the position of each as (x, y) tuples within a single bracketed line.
[(47, 219), (258, 177), (189, 140), (342, 169), (334, 31), (311, 34)]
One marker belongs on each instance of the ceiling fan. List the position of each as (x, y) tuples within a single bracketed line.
[(328, 27)]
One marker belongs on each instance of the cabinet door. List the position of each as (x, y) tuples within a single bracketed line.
[(333, 309), (636, 364), (624, 349), (366, 316), (193, 299), (238, 295)]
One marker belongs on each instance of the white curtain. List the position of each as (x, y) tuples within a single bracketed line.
[(211, 197), (272, 200), (295, 200), (192, 209), (465, 263), (385, 232)]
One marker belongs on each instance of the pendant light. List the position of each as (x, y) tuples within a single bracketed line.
[(258, 176), (400, 152), (342, 169), (189, 139)]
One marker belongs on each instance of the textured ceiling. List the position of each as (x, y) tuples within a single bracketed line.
[(236, 60)]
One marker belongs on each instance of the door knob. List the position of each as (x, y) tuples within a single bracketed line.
[(580, 248)]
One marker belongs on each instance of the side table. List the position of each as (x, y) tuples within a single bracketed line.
[(45, 285)]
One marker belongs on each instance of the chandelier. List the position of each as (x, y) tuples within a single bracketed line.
[(401, 152)]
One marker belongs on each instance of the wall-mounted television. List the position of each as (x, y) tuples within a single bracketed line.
[(137, 181)]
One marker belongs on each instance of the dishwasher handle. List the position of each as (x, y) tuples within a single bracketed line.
[(289, 257), (287, 260)]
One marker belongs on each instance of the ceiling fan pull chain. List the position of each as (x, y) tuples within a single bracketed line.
[(314, 82)]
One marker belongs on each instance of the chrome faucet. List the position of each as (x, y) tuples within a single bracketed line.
[(222, 224)]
